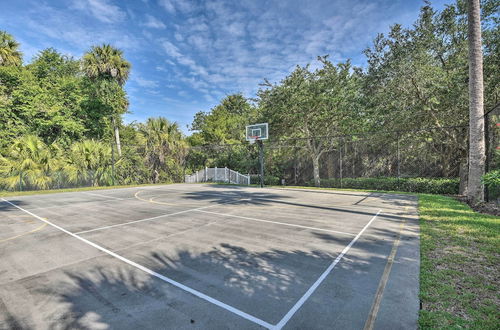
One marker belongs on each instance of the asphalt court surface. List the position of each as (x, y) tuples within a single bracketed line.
[(191, 256)]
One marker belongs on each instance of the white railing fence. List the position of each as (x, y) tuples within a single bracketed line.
[(221, 174)]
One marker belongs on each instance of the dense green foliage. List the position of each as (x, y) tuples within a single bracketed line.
[(492, 181), (321, 120)]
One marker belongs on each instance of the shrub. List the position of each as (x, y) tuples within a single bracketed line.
[(492, 181), (419, 185), (268, 180)]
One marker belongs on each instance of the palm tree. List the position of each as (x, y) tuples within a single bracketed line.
[(28, 163), (165, 148), (477, 146), (89, 163), (107, 63), (9, 52)]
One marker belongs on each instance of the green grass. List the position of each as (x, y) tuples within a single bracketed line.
[(4, 193), (460, 263)]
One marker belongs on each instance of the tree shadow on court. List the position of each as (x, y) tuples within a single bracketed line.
[(234, 195), (265, 284), (394, 203), (6, 207), (8, 321)]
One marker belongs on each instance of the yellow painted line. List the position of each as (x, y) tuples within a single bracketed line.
[(163, 203), (372, 316), (136, 195), (24, 234)]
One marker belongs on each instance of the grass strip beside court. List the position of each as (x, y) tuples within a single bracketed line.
[(460, 265), (4, 193)]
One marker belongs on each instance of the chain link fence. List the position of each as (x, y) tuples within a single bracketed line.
[(429, 160)]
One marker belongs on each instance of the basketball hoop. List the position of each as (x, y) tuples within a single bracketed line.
[(257, 132)]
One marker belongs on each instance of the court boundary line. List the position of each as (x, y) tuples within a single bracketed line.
[(322, 277), (372, 315), (194, 292), (276, 222), (101, 195), (152, 218)]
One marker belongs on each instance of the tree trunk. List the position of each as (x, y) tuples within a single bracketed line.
[(315, 160), (117, 138), (475, 191)]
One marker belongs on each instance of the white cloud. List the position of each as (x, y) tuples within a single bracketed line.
[(153, 23), (144, 82), (209, 98), (57, 26), (178, 36), (103, 10), (170, 49), (236, 29), (168, 5), (184, 6)]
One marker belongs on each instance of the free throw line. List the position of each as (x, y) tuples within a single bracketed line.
[(153, 218), (311, 290), (101, 195), (153, 273), (275, 222)]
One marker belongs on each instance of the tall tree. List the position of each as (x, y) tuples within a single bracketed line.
[(477, 149), (9, 50), (104, 65), (224, 123), (417, 78), (310, 105), (165, 149)]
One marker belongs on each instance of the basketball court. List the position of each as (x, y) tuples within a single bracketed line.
[(209, 256)]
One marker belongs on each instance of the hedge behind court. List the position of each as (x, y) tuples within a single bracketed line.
[(417, 185)]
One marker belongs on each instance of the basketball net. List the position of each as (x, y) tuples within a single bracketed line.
[(252, 139)]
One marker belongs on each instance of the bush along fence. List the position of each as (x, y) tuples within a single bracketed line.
[(417, 185), (433, 160)]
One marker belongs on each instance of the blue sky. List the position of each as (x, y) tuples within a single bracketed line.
[(187, 55)]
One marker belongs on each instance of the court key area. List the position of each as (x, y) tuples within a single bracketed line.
[(202, 256)]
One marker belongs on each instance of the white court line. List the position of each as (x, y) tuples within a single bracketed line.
[(311, 290), (153, 218), (155, 274), (276, 222), (100, 195)]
